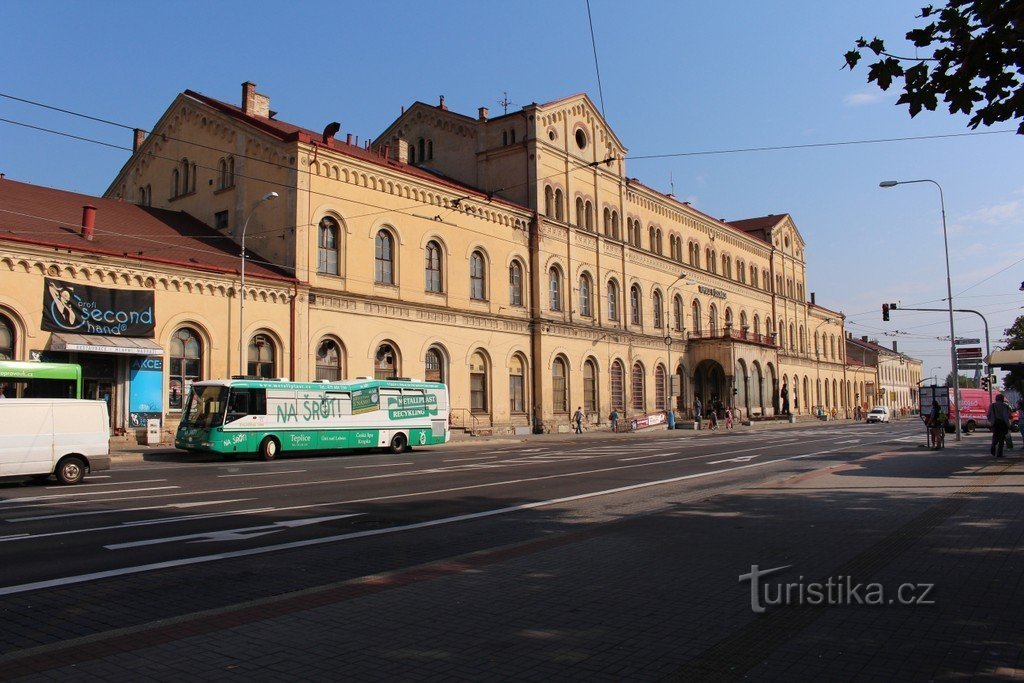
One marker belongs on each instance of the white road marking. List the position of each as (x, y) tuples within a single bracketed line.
[(109, 483), (202, 559), (200, 503), (37, 499), (739, 458), (258, 474), (643, 457), (849, 441), (482, 457), (390, 464), (241, 534)]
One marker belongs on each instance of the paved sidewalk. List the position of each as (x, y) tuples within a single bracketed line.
[(655, 596)]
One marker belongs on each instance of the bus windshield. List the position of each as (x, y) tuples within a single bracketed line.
[(205, 407)]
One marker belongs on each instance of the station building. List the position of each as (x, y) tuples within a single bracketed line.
[(511, 257)]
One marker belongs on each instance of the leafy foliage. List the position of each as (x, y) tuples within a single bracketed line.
[(977, 64), (1015, 336)]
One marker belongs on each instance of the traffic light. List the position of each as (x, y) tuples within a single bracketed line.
[(984, 383), (885, 312)]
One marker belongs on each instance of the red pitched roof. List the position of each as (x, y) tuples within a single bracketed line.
[(288, 132), (759, 227), (33, 214)]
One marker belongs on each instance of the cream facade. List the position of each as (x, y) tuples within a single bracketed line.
[(510, 257)]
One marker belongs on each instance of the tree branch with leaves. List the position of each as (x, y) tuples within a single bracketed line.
[(976, 67)]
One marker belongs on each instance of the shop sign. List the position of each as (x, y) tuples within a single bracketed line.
[(82, 309)]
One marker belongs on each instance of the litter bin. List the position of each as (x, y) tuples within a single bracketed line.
[(152, 432)]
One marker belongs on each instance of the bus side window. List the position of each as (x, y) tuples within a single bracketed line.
[(258, 402), (247, 402)]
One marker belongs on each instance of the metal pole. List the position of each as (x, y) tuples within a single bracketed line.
[(241, 298)]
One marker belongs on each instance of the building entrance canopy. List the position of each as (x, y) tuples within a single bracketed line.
[(129, 346)]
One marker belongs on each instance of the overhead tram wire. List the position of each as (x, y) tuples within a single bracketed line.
[(597, 67)]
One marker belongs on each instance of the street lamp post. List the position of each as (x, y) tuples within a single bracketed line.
[(817, 359), (949, 288), (241, 299)]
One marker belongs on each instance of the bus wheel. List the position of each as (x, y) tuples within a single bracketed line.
[(70, 470), (269, 448), (398, 443)]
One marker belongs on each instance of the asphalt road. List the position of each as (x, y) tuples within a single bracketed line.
[(148, 540)]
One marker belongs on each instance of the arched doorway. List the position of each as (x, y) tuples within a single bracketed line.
[(756, 388), (709, 384)]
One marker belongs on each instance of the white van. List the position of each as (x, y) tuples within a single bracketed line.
[(40, 437)]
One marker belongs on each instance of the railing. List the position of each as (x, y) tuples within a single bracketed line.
[(729, 333), (463, 418)]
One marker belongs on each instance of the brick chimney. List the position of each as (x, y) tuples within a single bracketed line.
[(400, 150), (482, 114), (140, 137), (864, 338), (813, 298), (253, 103), (88, 221)]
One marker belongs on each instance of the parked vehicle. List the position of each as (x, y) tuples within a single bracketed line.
[(66, 438), (879, 414), (975, 407)]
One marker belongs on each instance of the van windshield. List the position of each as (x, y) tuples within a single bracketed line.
[(205, 407)]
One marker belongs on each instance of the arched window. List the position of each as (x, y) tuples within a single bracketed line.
[(695, 314), (478, 383), (657, 310), (329, 361), (753, 276), (422, 149), (581, 218), (477, 276), (515, 284), (262, 357), (617, 375), (559, 203), (792, 340), (559, 386), (327, 252), (651, 239), (517, 384), (677, 313), (432, 267), (186, 176), (384, 259), (175, 183), (757, 325), (713, 320), (549, 202), (657, 242), (782, 334), (741, 271), (659, 387), (226, 175), (743, 322), (385, 362), (590, 386), (6, 339), (186, 364), (803, 344), (555, 289), (615, 225), (607, 222), (635, 303), (613, 300), (586, 296), (637, 386), (434, 367)]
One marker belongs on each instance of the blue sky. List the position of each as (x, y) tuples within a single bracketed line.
[(677, 78)]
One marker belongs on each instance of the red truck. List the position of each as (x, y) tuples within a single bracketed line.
[(975, 413)]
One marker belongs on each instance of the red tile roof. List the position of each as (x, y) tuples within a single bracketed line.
[(287, 132), (33, 214), (759, 227)]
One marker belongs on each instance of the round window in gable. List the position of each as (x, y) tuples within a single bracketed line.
[(551, 135), (581, 138)]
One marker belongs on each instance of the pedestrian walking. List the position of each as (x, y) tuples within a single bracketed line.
[(712, 419), (614, 419), (698, 409), (577, 419), (728, 418), (936, 425), (999, 417)]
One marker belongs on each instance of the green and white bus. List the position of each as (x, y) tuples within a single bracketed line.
[(267, 417), (33, 379)]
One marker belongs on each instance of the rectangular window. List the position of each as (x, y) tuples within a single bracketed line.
[(517, 394), (220, 220), (478, 392)]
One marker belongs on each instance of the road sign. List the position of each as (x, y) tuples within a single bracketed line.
[(969, 352), (968, 366), (964, 340)]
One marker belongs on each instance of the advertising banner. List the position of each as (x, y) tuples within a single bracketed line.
[(83, 309), (146, 391)]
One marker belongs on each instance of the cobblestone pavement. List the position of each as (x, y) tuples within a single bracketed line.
[(652, 596)]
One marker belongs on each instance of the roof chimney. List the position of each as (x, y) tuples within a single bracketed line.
[(812, 298), (253, 103), (894, 347), (441, 105), (88, 221), (482, 113), (140, 137), (864, 338)]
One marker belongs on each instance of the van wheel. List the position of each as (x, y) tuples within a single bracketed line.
[(70, 470), (398, 443), (970, 426), (269, 448)]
